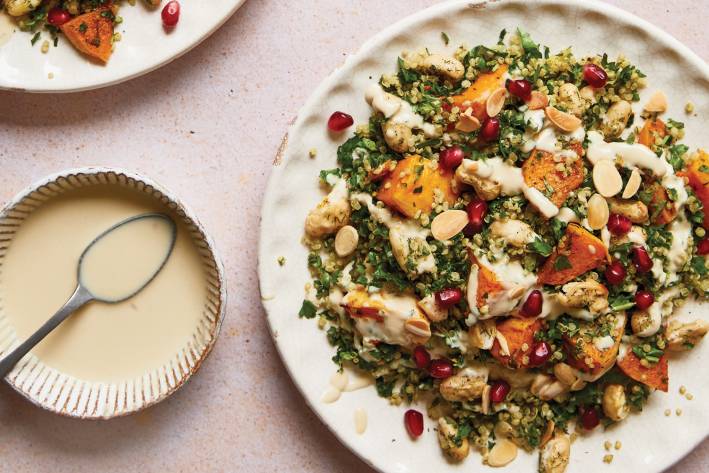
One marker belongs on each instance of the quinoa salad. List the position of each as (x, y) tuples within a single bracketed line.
[(88, 25), (504, 246)]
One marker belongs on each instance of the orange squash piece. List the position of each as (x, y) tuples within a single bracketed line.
[(698, 175), (412, 184), (585, 356), (519, 334), (479, 91), (488, 284), (664, 214), (578, 252), (656, 376), (92, 33), (539, 171), (650, 130)]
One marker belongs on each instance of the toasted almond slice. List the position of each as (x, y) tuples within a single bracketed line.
[(504, 347), (588, 93), (448, 224), (467, 123), (633, 185), (547, 433), (562, 120), (482, 334), (360, 420), (418, 327), (606, 178), (597, 212), (503, 453), (503, 430), (486, 400), (495, 102), (657, 103), (537, 101), (346, 241), (516, 292)]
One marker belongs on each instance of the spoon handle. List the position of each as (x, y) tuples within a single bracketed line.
[(80, 297)]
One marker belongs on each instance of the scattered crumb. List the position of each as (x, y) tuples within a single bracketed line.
[(607, 445), (312, 153), (50, 75), (678, 412), (682, 390), (281, 260), (668, 412), (608, 458), (45, 47), (689, 396), (689, 108), (618, 445)]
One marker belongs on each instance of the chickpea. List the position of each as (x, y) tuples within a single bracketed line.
[(615, 405)]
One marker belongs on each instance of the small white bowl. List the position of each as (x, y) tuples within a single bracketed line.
[(63, 394)]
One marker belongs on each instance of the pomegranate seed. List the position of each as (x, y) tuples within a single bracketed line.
[(171, 13), (498, 391), (449, 297), (58, 16), (541, 352), (477, 208), (421, 357), (413, 420), (615, 273), (644, 299), (451, 158), (594, 75), (520, 88), (533, 305), (339, 121), (589, 417), (703, 247), (490, 129), (440, 368), (642, 260), (619, 225)]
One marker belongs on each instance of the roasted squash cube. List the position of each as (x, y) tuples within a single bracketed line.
[(578, 252), (92, 33), (539, 171), (519, 334)]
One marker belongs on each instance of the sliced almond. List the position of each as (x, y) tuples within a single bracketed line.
[(537, 101), (360, 420), (418, 327), (346, 241), (633, 185), (467, 123), (482, 334), (548, 433), (606, 178), (517, 291), (503, 429), (657, 103), (503, 453), (562, 120), (486, 400), (448, 224), (504, 347), (598, 212), (495, 102)]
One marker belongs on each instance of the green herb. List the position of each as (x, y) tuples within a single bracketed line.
[(307, 310), (540, 246), (418, 190), (675, 124), (35, 38), (561, 263), (648, 351), (83, 27), (676, 156), (531, 48), (501, 37), (406, 75), (445, 38), (699, 265), (621, 302)]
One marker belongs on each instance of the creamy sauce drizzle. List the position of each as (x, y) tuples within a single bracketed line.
[(632, 155), (397, 110), (395, 311)]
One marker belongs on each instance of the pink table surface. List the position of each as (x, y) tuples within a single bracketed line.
[(208, 126)]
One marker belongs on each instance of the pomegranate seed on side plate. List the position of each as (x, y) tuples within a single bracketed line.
[(339, 121), (413, 420)]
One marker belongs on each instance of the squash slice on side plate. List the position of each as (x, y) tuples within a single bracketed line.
[(92, 33)]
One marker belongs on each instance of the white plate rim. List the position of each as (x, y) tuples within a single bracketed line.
[(265, 269)]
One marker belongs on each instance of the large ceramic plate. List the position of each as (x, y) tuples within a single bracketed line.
[(651, 441), (145, 46)]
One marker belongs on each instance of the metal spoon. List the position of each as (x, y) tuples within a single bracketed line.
[(83, 296)]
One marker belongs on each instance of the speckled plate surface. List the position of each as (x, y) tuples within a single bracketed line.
[(75, 396), (651, 441), (144, 46)]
